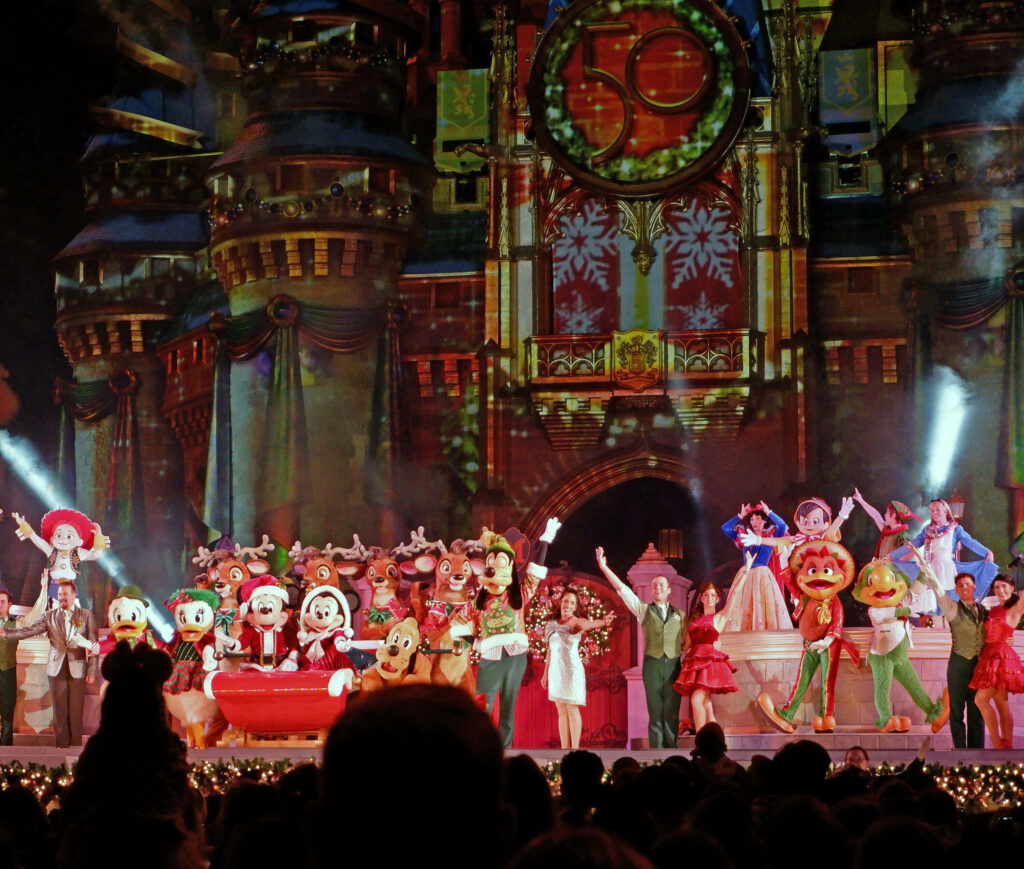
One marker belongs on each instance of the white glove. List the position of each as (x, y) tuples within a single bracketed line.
[(749, 538), (820, 645), (288, 665), (550, 530), (210, 663), (343, 643), (846, 509)]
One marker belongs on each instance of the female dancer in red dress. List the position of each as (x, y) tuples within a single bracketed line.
[(999, 671), (706, 669)]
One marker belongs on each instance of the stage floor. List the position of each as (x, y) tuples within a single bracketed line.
[(888, 748)]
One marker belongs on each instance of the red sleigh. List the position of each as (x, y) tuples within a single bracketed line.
[(285, 707)]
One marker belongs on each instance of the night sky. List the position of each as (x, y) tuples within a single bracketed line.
[(56, 58)]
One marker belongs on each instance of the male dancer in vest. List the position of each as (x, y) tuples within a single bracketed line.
[(966, 620), (662, 627)]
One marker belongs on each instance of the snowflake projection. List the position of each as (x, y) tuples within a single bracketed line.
[(589, 250), (703, 314), (703, 242), (576, 317)]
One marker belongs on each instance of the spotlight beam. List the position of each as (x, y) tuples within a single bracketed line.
[(32, 471)]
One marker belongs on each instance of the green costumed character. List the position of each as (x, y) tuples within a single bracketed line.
[(891, 601)]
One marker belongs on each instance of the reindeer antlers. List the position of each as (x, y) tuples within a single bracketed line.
[(417, 544), (254, 551)]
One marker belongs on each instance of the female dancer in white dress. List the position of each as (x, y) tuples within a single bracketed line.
[(564, 676)]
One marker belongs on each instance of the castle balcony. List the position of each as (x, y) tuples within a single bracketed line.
[(704, 376)]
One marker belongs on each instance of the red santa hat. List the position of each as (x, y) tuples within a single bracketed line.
[(259, 585), (66, 516)]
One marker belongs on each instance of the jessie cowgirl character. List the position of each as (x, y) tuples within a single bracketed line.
[(66, 538)]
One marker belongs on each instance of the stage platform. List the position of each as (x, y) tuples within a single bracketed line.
[(887, 748)]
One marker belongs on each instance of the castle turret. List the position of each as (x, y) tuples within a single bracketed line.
[(313, 208)]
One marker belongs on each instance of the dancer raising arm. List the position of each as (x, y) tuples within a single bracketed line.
[(564, 676), (662, 628), (706, 669), (999, 671)]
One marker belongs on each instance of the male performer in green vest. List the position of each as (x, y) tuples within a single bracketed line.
[(662, 627), (966, 620)]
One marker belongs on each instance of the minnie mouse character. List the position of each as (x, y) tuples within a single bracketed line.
[(325, 634)]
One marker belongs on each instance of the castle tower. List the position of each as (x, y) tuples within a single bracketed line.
[(956, 173), (312, 210)]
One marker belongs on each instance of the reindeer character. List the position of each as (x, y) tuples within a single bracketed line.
[(226, 568), (453, 568), (314, 568)]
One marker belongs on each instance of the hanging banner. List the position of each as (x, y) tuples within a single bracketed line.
[(463, 117), (848, 99)]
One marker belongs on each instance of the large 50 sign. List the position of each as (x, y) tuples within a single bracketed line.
[(637, 97)]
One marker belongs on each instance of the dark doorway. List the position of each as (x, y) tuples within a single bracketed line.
[(624, 519)]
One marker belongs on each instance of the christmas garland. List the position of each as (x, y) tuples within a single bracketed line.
[(976, 789), (593, 643)]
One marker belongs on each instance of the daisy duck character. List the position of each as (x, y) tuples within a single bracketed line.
[(193, 653), (268, 636), (891, 600), (498, 621), (128, 621), (66, 538), (821, 569), (325, 632)]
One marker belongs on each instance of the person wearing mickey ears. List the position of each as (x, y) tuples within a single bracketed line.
[(71, 664)]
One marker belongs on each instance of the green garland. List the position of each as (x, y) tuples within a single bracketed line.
[(976, 789), (665, 161)]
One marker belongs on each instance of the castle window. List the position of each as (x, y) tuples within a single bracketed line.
[(988, 221), (466, 190), (861, 281), (303, 31), (291, 177)]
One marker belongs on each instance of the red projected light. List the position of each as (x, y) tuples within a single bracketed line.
[(637, 97)]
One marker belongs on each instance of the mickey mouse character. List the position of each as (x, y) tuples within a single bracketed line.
[(268, 635)]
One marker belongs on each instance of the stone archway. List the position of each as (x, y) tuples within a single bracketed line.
[(620, 466)]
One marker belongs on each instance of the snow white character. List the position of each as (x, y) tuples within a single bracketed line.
[(755, 597)]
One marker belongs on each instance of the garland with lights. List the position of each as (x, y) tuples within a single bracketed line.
[(593, 643), (976, 789)]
